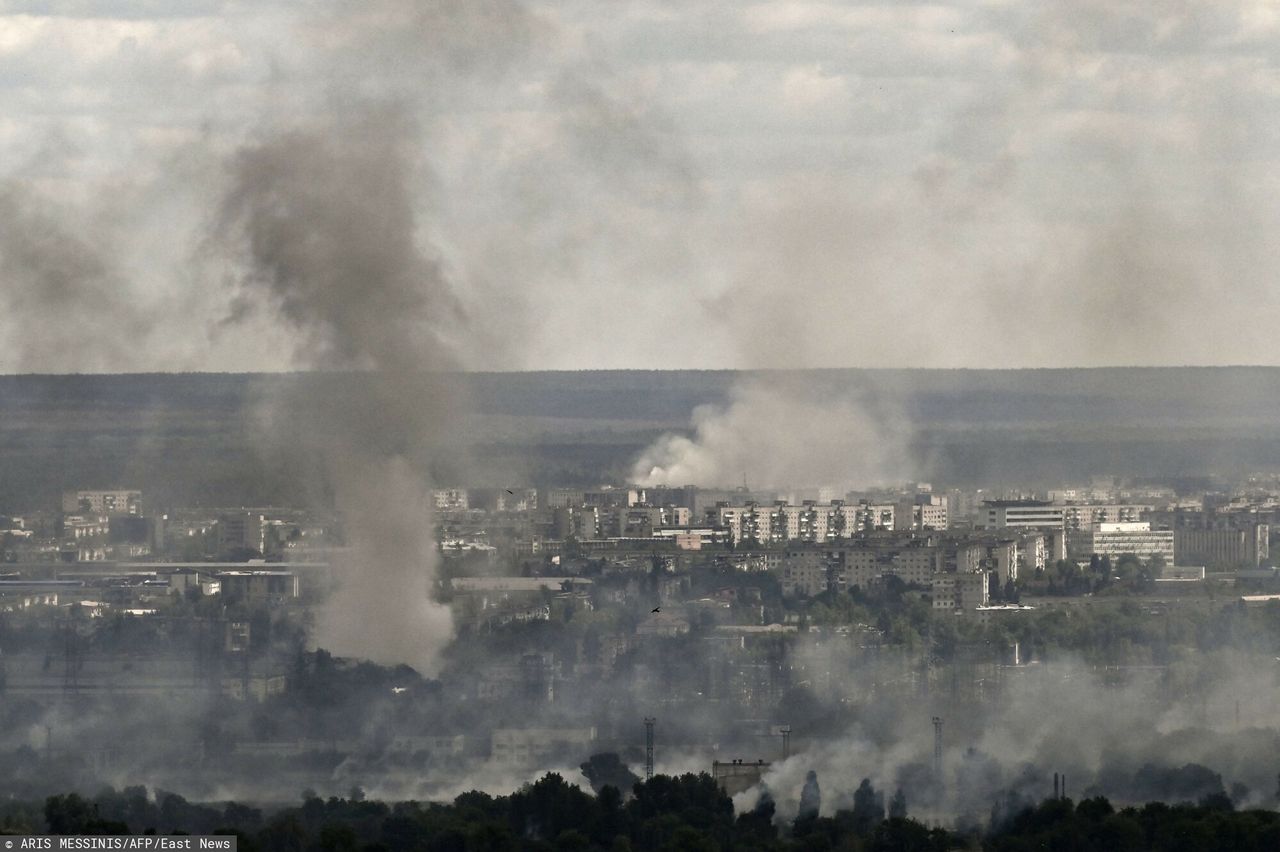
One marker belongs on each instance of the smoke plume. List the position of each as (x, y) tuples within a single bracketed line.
[(58, 287), (779, 429), (328, 227), (325, 215)]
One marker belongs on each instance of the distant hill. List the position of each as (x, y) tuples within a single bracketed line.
[(190, 438)]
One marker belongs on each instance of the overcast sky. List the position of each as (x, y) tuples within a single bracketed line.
[(665, 184)]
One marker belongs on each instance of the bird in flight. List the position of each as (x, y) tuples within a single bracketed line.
[(657, 609)]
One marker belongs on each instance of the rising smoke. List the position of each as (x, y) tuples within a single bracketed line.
[(785, 429), (58, 286), (324, 213), (329, 233), (336, 217)]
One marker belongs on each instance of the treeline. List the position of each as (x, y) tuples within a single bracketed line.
[(688, 812)]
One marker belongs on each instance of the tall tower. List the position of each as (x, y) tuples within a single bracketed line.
[(937, 749), (648, 747)]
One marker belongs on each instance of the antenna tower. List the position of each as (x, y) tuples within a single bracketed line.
[(648, 747), (937, 748)]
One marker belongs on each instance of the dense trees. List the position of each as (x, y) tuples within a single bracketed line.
[(688, 812)]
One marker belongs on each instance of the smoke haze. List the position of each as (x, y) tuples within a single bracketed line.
[(964, 185), (778, 429)]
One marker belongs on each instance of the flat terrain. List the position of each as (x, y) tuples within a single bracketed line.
[(194, 438)]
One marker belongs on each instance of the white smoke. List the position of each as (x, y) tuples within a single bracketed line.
[(777, 431)]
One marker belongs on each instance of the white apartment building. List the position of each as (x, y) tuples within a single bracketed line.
[(922, 512), (808, 522)]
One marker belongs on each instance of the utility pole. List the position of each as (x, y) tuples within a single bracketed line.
[(648, 747), (785, 731)]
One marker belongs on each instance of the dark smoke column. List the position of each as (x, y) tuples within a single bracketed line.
[(323, 219)]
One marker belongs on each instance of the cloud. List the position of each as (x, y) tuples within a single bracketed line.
[(1001, 180)]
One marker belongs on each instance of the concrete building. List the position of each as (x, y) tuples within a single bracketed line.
[(185, 580), (259, 587), (960, 591), (738, 776), (1002, 558), (1007, 514), (1033, 552), (869, 517), (1082, 516), (539, 746), (914, 565), (242, 531), (692, 538), (662, 624), (257, 686), (448, 499), (921, 512), (1246, 547), (641, 521), (806, 573), (1115, 540), (806, 522), (436, 747), (108, 501)]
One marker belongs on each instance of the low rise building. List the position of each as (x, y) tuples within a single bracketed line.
[(539, 746), (259, 587), (738, 776)]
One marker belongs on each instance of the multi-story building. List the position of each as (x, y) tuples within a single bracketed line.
[(1002, 558), (1115, 540), (960, 591), (641, 521), (1033, 551), (915, 565), (747, 523), (538, 746), (963, 555), (256, 587), (110, 501), (560, 498), (449, 499), (869, 517), (1246, 547), (806, 573), (1082, 516), (921, 512), (1005, 514), (242, 531), (808, 522)]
